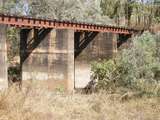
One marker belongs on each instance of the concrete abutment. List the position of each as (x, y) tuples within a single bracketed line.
[(47, 57)]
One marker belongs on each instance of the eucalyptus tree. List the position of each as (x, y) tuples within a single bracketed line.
[(115, 9), (129, 6), (74, 10), (1, 5), (157, 11), (12, 6), (157, 1), (141, 13), (7, 6)]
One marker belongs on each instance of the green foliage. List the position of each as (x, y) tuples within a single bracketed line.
[(74, 10), (92, 11), (60, 89), (104, 72), (157, 14), (13, 43), (136, 13), (17, 7), (136, 68)]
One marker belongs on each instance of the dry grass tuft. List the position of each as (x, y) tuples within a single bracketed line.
[(35, 103)]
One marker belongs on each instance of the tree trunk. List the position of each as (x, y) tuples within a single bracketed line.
[(1, 5)]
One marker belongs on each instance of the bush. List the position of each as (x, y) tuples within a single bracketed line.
[(136, 68), (104, 73)]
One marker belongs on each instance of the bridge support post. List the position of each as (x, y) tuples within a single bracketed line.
[(3, 58), (47, 57), (61, 59), (111, 44)]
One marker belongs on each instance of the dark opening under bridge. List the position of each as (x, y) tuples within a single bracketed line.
[(57, 53)]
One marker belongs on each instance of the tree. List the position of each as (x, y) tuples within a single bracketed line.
[(1, 5), (129, 10), (157, 11), (137, 13), (156, 1), (117, 9), (74, 10), (12, 6)]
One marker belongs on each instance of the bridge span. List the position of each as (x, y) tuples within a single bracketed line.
[(23, 21), (57, 54)]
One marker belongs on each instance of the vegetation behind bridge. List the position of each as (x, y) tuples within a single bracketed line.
[(137, 13), (135, 69)]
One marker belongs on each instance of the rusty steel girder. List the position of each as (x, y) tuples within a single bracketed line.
[(23, 21)]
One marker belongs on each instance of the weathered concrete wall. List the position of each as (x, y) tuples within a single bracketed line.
[(47, 56), (101, 46), (3, 58)]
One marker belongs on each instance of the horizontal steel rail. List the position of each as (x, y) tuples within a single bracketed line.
[(22, 21)]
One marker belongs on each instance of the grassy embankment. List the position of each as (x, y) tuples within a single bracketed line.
[(36, 103)]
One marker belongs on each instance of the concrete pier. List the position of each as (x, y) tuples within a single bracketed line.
[(3, 58), (47, 57)]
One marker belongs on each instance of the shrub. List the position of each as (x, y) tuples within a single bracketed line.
[(136, 68), (104, 73)]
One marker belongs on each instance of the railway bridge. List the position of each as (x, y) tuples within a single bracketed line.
[(57, 53)]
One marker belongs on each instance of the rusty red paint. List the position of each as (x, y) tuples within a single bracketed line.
[(34, 22)]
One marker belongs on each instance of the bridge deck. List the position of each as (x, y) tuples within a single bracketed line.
[(23, 21)]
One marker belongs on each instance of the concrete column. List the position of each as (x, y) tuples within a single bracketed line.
[(61, 59), (47, 57), (3, 58), (111, 44), (70, 61)]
